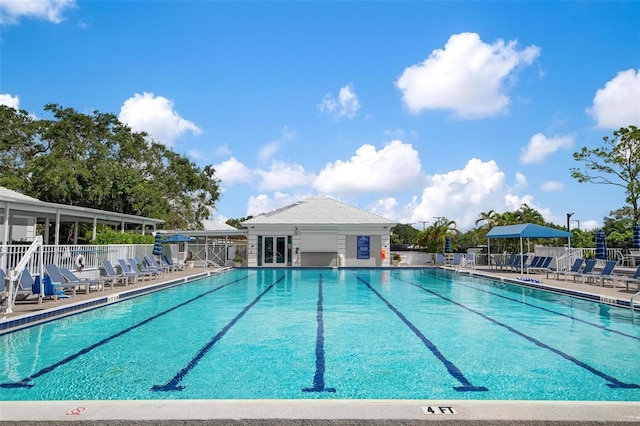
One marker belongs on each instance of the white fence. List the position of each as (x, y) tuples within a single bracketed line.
[(69, 256)]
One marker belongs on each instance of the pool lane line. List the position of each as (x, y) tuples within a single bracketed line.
[(602, 327), (613, 382), (318, 378), (450, 366), (25, 383), (173, 384)]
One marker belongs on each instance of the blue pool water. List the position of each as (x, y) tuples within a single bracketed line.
[(326, 333)]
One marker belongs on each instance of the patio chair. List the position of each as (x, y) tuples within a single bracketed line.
[(97, 282), (153, 263), (133, 264), (635, 279), (144, 266), (122, 278), (58, 279), (542, 266), (507, 263), (589, 264), (455, 259), (520, 262), (127, 269), (23, 291), (606, 272), (575, 269), (51, 289), (168, 261), (468, 260), (440, 260)]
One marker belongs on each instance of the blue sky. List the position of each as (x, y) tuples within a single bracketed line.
[(410, 110)]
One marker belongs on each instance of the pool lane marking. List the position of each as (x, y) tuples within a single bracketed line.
[(613, 382), (450, 366), (25, 383), (602, 327), (318, 378), (174, 383)]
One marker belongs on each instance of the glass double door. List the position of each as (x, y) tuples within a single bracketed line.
[(276, 251)]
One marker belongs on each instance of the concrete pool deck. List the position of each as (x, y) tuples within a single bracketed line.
[(317, 412)]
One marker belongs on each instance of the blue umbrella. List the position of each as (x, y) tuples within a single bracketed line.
[(601, 245), (178, 238), (447, 244), (157, 245), (636, 235)]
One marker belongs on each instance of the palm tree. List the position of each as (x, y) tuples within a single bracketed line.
[(433, 238)]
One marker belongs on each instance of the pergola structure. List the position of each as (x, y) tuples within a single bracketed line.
[(20, 213)]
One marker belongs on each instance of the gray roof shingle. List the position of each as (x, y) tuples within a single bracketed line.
[(319, 210)]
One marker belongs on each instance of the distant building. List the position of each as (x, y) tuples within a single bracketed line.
[(318, 232)]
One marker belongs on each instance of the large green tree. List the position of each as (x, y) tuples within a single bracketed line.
[(94, 160), (616, 163)]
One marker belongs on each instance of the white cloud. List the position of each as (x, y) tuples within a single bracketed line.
[(156, 116), (521, 181), (263, 203), (462, 194), (10, 101), (283, 176), (540, 147), (468, 76), (589, 225), (346, 106), (232, 171), (618, 103), (551, 185), (269, 150), (222, 150), (50, 10), (392, 168)]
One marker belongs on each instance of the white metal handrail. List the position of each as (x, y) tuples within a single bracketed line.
[(631, 303), (14, 275)]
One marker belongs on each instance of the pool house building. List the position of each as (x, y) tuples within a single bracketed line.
[(318, 232)]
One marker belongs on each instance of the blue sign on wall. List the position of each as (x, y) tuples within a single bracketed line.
[(364, 247)]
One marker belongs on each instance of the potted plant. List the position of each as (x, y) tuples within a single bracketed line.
[(190, 260), (396, 259), (237, 261)]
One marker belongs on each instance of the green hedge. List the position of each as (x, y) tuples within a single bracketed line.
[(109, 236)]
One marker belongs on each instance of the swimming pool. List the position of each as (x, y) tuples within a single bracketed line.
[(331, 334)]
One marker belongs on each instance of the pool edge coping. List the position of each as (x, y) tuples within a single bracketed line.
[(321, 411)]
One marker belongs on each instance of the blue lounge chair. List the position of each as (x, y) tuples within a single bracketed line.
[(58, 280), (50, 288), (73, 278), (132, 265), (587, 269), (506, 264), (152, 263), (143, 265), (606, 272), (468, 260), (440, 260), (121, 278), (126, 269), (542, 266), (23, 290), (575, 269), (519, 262), (455, 259), (175, 266), (635, 279)]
